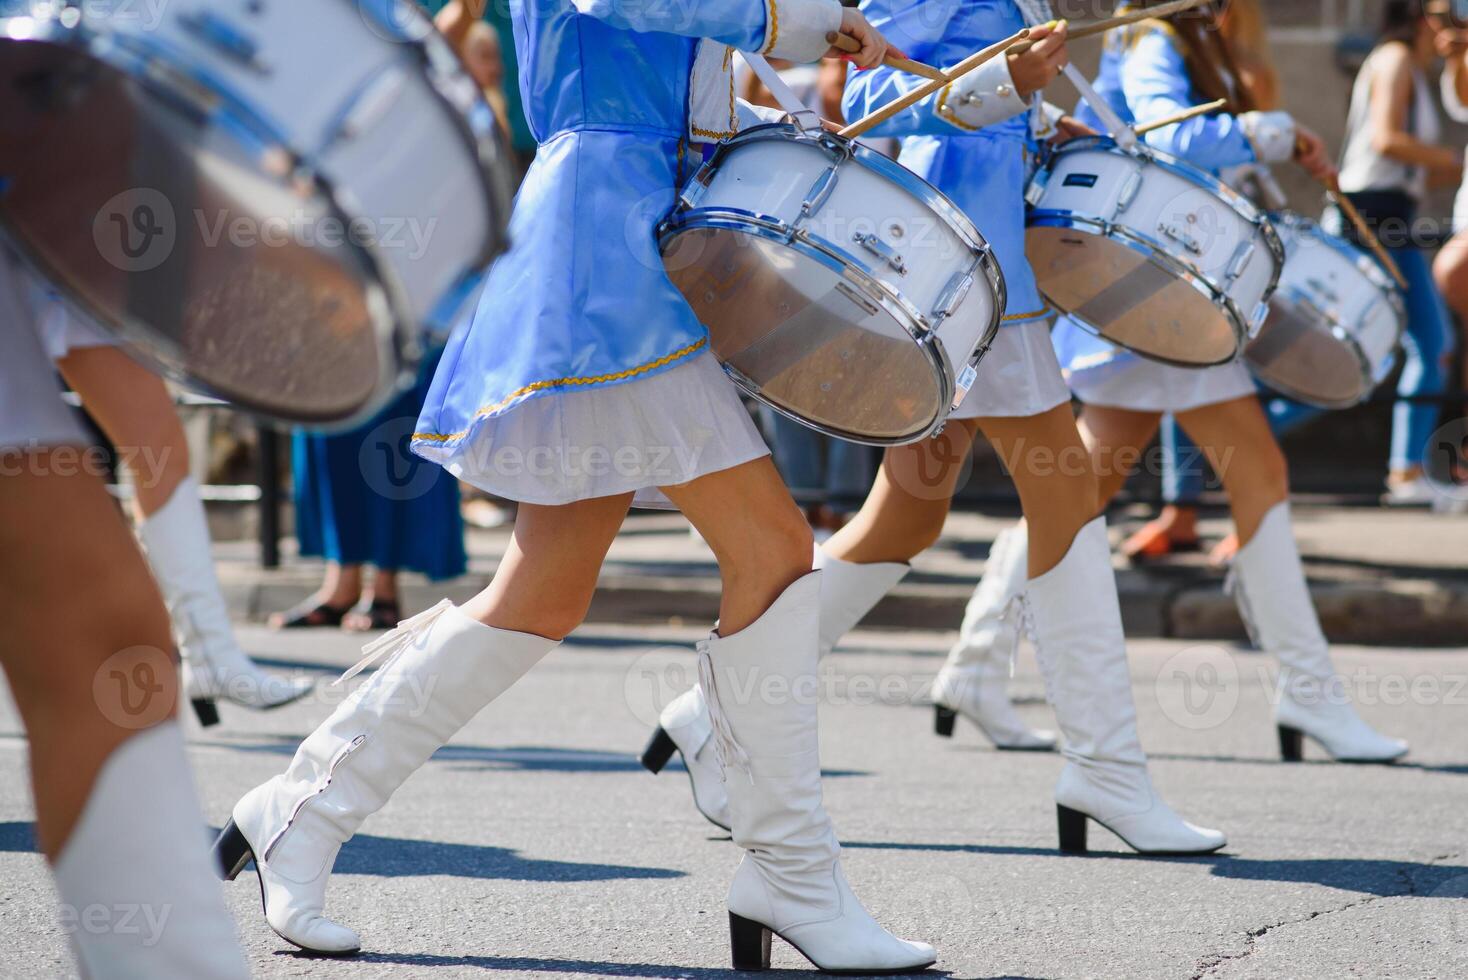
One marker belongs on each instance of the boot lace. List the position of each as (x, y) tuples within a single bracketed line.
[(726, 748), (396, 641)]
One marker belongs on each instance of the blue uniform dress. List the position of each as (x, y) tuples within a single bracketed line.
[(983, 170), (1143, 76), (584, 373)]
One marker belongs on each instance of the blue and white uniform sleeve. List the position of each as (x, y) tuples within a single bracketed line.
[(792, 29), (981, 98), (1155, 83)]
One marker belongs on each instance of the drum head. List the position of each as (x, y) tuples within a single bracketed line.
[(172, 232), (1128, 298), (1297, 354), (799, 335)]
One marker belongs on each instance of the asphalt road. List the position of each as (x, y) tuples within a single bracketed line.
[(534, 846)]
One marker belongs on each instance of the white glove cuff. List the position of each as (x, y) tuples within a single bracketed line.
[(1272, 135), (796, 29), (983, 97)]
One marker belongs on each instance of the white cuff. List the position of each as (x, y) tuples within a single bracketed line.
[(983, 97), (796, 29), (758, 115), (1048, 120), (1272, 135)]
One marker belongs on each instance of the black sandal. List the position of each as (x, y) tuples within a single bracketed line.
[(307, 615), (383, 614)]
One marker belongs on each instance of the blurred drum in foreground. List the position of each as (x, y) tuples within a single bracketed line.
[(1334, 323), (272, 201)]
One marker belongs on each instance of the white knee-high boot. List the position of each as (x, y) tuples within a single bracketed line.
[(1075, 620), (848, 592), (442, 668), (176, 540), (1268, 582), (137, 864), (760, 685), (974, 682)]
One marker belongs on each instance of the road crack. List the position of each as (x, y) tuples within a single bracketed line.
[(1207, 965)]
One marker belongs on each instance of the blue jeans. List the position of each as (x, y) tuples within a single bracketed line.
[(1427, 349), (813, 464)]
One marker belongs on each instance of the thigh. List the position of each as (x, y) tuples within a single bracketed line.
[(1116, 438), (132, 406), (1242, 449), (546, 579)]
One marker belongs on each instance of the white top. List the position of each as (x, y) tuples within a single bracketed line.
[(1363, 167)]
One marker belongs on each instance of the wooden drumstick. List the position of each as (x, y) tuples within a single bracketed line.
[(1177, 117), (923, 91), (1112, 23), (1363, 230), (851, 45)]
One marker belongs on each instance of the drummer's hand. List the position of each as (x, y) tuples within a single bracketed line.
[(1310, 153), (874, 46), (1070, 128), (1042, 63)]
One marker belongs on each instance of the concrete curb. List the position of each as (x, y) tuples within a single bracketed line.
[(1393, 613)]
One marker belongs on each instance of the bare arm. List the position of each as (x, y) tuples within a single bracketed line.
[(1391, 100)]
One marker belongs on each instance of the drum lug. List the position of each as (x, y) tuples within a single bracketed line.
[(697, 187), (1129, 191), (819, 191), (953, 294), (1181, 237), (1240, 260), (881, 250)]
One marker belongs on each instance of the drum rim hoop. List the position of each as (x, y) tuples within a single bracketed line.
[(913, 323), (1363, 262), (385, 301), (1152, 252), (840, 148), (1245, 208), (1341, 333)]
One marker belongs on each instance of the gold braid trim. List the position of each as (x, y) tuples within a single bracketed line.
[(1024, 316), (599, 379), (774, 19)]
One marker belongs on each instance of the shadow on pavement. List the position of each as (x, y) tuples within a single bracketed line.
[(1369, 876), (510, 758), (530, 964)]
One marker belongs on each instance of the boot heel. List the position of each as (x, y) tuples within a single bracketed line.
[(660, 749), (206, 711), (231, 852), (750, 943), (943, 719), (1291, 744), (1072, 825)]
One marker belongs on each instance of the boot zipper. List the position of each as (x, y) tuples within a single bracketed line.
[(341, 756)]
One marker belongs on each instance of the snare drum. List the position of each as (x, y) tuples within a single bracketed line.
[(1150, 253), (1334, 323), (269, 200), (837, 286)]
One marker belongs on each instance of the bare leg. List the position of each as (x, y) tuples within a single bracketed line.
[(1450, 270), (904, 513), (1240, 445), (1116, 438), (56, 646), (134, 409), (1053, 473)]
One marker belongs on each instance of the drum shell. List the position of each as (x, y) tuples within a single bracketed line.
[(1352, 311), (282, 174), (887, 231), (1184, 221)]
